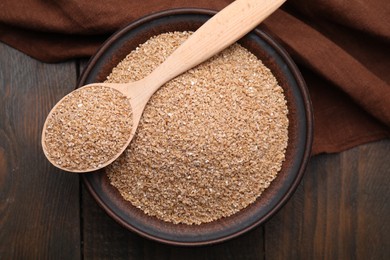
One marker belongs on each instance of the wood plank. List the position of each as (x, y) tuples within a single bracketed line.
[(340, 210), (39, 205)]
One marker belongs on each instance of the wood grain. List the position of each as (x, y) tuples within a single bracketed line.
[(340, 210), (39, 204)]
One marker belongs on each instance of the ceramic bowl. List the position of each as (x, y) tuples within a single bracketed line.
[(297, 154)]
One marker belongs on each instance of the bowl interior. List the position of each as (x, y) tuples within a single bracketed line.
[(297, 154)]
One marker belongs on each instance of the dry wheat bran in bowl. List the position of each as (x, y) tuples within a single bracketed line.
[(218, 150), (209, 142)]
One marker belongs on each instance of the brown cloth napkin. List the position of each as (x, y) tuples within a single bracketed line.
[(341, 47)]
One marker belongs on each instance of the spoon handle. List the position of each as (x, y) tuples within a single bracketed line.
[(219, 32)]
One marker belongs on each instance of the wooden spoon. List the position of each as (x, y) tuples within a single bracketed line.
[(218, 33)]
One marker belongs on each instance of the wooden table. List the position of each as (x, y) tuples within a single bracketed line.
[(341, 210)]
